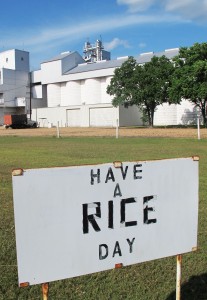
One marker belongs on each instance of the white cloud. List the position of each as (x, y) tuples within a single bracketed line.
[(116, 42), (142, 45), (136, 5), (187, 9), (57, 36), (191, 9)]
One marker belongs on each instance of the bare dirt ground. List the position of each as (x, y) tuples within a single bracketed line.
[(107, 132)]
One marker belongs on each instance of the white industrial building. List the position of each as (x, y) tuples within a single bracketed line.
[(73, 89), (14, 82), (76, 95), (70, 90)]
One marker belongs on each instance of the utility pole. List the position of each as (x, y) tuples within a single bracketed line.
[(30, 95)]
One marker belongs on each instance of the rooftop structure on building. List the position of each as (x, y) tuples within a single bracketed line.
[(96, 52)]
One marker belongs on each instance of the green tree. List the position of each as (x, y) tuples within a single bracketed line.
[(144, 85), (190, 77)]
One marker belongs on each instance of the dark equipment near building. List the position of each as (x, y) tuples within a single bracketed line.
[(18, 121)]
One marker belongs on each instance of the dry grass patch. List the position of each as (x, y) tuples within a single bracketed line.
[(107, 132)]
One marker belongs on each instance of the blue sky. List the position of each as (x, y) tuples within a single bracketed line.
[(127, 27)]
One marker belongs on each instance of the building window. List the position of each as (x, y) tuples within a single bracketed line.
[(7, 59)]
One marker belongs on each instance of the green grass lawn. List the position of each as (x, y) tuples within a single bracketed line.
[(150, 280)]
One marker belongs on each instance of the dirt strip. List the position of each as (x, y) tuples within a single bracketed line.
[(107, 132)]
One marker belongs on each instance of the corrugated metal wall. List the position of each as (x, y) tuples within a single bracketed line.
[(105, 98), (91, 91), (73, 93), (102, 116), (37, 91), (54, 94), (165, 115), (180, 114), (74, 117)]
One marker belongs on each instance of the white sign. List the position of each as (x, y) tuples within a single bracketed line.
[(79, 220)]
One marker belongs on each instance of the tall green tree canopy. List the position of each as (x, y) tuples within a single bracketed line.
[(144, 85), (190, 76)]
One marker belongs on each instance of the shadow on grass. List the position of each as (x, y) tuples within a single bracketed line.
[(194, 289)]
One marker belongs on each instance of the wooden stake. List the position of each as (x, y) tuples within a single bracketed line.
[(58, 130), (45, 291), (117, 128), (178, 277)]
